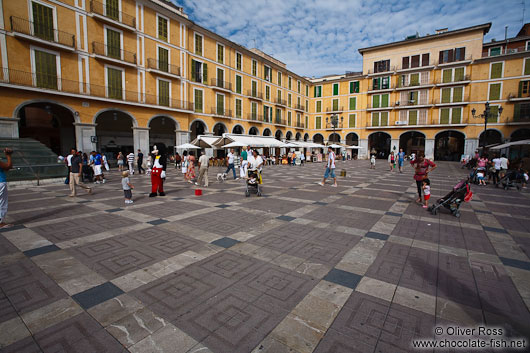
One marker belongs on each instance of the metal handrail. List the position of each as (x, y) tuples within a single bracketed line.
[(41, 31), (114, 14), (163, 66), (113, 52)]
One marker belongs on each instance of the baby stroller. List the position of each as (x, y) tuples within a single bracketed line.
[(461, 193), (253, 182), (512, 178)]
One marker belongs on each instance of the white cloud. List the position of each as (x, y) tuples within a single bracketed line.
[(317, 38)]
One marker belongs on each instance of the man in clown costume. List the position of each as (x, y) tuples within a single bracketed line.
[(158, 170)]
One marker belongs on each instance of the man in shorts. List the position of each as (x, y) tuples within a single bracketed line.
[(330, 168), (98, 171)]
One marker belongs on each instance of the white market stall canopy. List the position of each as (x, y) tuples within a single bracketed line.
[(187, 146), (205, 141), (510, 144), (354, 147), (305, 144), (247, 140)]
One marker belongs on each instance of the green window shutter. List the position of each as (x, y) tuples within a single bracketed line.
[(315, 89), (414, 98), (289, 118), (289, 100), (446, 95), (496, 70), (527, 66), (290, 83), (220, 53), (384, 100), (459, 74), (413, 117), (254, 67), (163, 59), (495, 91), (220, 104), (520, 89), (267, 93), (306, 121), (204, 73), (318, 122), (254, 110), (114, 83), (162, 28), (444, 115), (335, 105), (254, 88), (356, 87), (456, 116), (414, 79), (238, 108), (113, 44), (352, 89), (220, 75), (238, 84), (447, 75), (353, 103), (376, 83), (375, 101), (335, 89), (384, 118), (517, 112), (198, 101), (163, 93), (494, 112), (198, 44), (319, 106), (42, 21), (458, 94), (193, 77), (238, 61), (112, 9), (351, 120), (46, 70), (375, 119)]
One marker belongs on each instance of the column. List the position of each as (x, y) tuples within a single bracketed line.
[(85, 137), (182, 136), (141, 139), (429, 148), (9, 127), (363, 153), (470, 146)]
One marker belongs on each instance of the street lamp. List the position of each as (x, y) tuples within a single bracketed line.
[(334, 120), (485, 115)]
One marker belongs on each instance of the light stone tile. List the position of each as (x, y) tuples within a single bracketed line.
[(114, 309), (244, 248), (376, 288), (297, 334), (415, 300), (270, 345), (319, 313), (288, 261), (11, 258), (382, 227), (265, 254), (26, 239), (420, 244), (136, 326), (453, 251), (51, 314), (478, 256), (332, 292), (198, 348), (400, 240), (12, 331), (242, 236), (312, 269), (133, 280), (459, 313), (208, 250)]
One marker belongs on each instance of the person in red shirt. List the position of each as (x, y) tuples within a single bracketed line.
[(421, 167)]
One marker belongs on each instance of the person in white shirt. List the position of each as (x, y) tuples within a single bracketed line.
[(302, 157), (203, 169), (497, 165), (130, 161), (504, 165), (255, 162), (230, 163), (330, 168)]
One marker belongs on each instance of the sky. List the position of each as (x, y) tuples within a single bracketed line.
[(316, 38)]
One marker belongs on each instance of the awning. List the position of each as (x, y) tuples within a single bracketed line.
[(510, 144), (305, 144), (248, 140), (354, 147), (188, 146), (205, 141)]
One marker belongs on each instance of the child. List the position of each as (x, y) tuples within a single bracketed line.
[(127, 187), (372, 161), (481, 178), (426, 193)]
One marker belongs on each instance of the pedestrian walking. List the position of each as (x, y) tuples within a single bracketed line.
[(421, 167), (121, 161), (98, 172), (504, 166), (178, 160), (401, 159), (184, 169), (497, 166), (127, 187), (4, 167), (330, 168), (105, 162), (392, 161), (190, 174), (372, 161), (130, 162), (244, 164), (203, 169), (68, 161), (76, 171), (230, 163), (140, 161), (302, 158)]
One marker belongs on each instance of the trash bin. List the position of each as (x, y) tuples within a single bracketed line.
[(343, 173)]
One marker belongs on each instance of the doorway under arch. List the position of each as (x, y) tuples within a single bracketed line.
[(49, 123), (238, 129), (449, 145), (114, 133), (197, 128), (334, 138), (288, 135), (219, 129), (492, 136), (162, 130), (520, 134), (278, 135), (267, 132), (379, 144), (306, 136), (298, 136), (253, 131), (318, 138), (412, 142)]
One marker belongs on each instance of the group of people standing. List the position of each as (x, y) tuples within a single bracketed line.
[(129, 160)]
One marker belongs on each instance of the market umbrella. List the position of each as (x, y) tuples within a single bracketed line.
[(335, 146), (188, 146), (235, 144)]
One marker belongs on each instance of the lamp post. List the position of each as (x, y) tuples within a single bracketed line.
[(485, 115), (334, 120)]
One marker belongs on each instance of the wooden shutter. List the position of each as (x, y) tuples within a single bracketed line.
[(254, 88), (517, 112), (42, 21), (376, 83), (220, 76), (405, 62), (198, 44), (163, 59), (220, 104), (441, 57), (114, 83), (495, 91), (446, 95), (447, 75), (318, 122), (496, 70), (459, 74), (356, 87), (385, 82), (375, 67), (220, 53), (375, 119), (163, 93), (162, 28), (414, 98), (456, 116), (413, 117), (444, 115), (384, 100), (113, 44), (425, 59), (204, 73), (238, 108), (375, 101), (494, 112), (193, 70), (198, 101), (254, 110), (527, 66), (460, 54), (415, 61), (384, 118), (458, 94), (351, 120), (315, 89), (238, 61), (45, 70), (414, 79), (335, 89), (351, 87), (450, 55), (353, 103), (112, 9), (335, 105), (238, 84)]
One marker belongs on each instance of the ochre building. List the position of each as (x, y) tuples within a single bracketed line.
[(120, 75)]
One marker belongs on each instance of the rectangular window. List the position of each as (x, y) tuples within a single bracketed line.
[(414, 79), (376, 101), (384, 100), (220, 53), (318, 91), (306, 121), (527, 66), (318, 122), (267, 73), (335, 89), (254, 67), (306, 93), (494, 114), (298, 101), (42, 21), (299, 87), (279, 78), (46, 70), (267, 114), (289, 118), (306, 105), (382, 66), (375, 119), (460, 54), (220, 104), (353, 103), (112, 9), (267, 93), (335, 107), (239, 84), (163, 59), (289, 82), (220, 77), (318, 107), (254, 110), (405, 62), (351, 120), (384, 118), (456, 115), (279, 95), (239, 61), (278, 115), (458, 94), (495, 91), (197, 100), (162, 28), (199, 72), (113, 44), (413, 117), (254, 89), (198, 44), (238, 108), (496, 70), (524, 89), (446, 95), (415, 61), (289, 100), (114, 81), (163, 93), (495, 51), (385, 82), (446, 56), (459, 74), (444, 115), (447, 75), (354, 87), (425, 59)]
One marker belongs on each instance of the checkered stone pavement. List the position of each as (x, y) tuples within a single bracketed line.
[(357, 268)]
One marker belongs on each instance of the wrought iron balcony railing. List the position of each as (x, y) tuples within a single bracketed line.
[(163, 66), (112, 13), (113, 52), (221, 84), (219, 111), (254, 94), (41, 31)]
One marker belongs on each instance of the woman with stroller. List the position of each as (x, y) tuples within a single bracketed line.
[(421, 172)]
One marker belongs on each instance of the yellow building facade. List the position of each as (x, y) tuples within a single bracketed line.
[(121, 75)]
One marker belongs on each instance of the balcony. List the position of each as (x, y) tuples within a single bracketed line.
[(379, 88), (163, 68), (400, 69), (221, 112), (520, 97), (278, 121), (299, 125), (454, 62), (440, 102), (221, 85), (403, 86), (340, 125), (32, 31), (407, 104), (108, 14), (43, 83), (371, 107), (331, 110), (255, 117), (391, 70), (504, 51), (281, 102), (113, 54), (254, 94), (301, 107), (464, 80)]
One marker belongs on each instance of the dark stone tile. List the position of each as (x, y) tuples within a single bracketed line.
[(177, 198), (15, 227), (26, 345), (482, 211), (225, 242), (524, 265), (112, 210), (158, 221), (344, 278), (286, 218), (388, 213), (41, 250), (97, 295), (222, 206), (320, 203), (491, 229), (376, 235)]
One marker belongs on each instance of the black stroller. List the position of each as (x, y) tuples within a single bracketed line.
[(512, 178), (461, 193), (253, 182)]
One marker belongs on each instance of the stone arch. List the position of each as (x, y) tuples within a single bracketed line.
[(206, 128), (75, 114), (493, 136), (288, 135), (253, 131), (334, 137), (114, 131), (379, 144), (177, 124), (412, 142), (162, 131), (238, 129), (298, 136), (352, 139), (306, 136), (117, 110), (267, 132), (318, 138), (278, 134), (218, 127), (449, 145), (520, 134)]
